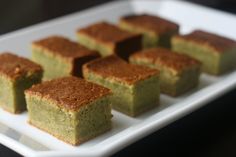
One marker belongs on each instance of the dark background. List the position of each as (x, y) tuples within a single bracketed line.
[(208, 132)]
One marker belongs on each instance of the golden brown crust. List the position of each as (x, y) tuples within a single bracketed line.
[(166, 58), (64, 47), (106, 33), (117, 69), (151, 23), (69, 92), (216, 42), (14, 66), (63, 139)]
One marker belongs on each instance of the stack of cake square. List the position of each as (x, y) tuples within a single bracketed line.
[(70, 108), (125, 67), (156, 31), (179, 73), (109, 39), (16, 75), (60, 56), (217, 53), (135, 88)]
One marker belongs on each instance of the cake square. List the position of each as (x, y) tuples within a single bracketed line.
[(60, 56), (156, 31), (70, 109), (178, 72), (109, 39), (16, 75), (135, 88), (217, 53)]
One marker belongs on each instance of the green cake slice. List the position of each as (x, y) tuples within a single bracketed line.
[(60, 57), (156, 31), (70, 109), (135, 88), (179, 73), (217, 53), (16, 75), (109, 39)]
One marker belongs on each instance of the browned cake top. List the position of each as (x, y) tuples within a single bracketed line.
[(119, 70), (166, 57), (106, 32), (215, 41), (152, 23), (69, 92), (14, 66), (64, 47)]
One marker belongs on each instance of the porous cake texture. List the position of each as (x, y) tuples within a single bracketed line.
[(156, 30), (135, 88), (178, 72), (109, 39), (70, 108), (217, 53), (60, 56), (16, 75)]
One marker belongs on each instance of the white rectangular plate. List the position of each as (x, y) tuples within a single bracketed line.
[(29, 141)]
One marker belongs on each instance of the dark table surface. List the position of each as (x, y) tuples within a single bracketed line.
[(208, 132)]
